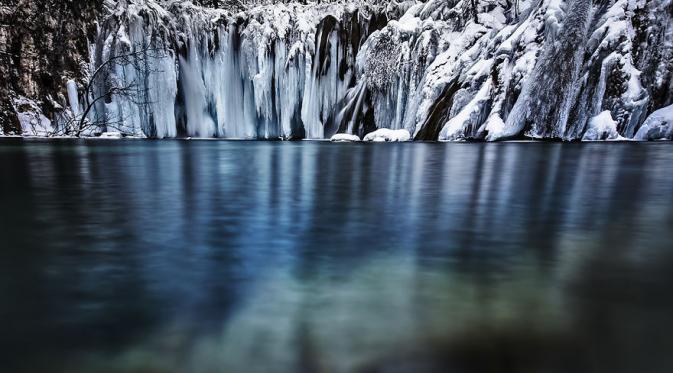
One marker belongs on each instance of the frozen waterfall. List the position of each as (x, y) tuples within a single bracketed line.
[(275, 74), (541, 70)]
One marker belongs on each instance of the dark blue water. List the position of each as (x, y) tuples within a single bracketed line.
[(211, 256)]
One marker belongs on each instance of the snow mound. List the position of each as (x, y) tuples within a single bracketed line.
[(658, 126), (344, 137), (111, 135), (602, 127), (388, 135)]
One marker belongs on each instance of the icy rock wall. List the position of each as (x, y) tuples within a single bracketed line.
[(534, 69), (439, 69)]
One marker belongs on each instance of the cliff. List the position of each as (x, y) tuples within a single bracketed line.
[(43, 43)]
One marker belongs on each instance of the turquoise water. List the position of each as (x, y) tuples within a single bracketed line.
[(217, 256)]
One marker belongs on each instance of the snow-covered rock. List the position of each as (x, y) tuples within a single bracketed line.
[(388, 135), (33, 121), (344, 137), (658, 126), (602, 127), (462, 125)]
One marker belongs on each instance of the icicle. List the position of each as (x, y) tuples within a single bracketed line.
[(73, 97)]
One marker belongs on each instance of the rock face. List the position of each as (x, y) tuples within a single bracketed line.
[(438, 69), (43, 44)]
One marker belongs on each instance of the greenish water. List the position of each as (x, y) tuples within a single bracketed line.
[(215, 256)]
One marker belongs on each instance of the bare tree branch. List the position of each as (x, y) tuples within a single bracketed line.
[(138, 58)]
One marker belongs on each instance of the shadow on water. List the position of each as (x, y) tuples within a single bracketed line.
[(175, 256)]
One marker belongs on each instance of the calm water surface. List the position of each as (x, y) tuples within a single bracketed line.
[(212, 256)]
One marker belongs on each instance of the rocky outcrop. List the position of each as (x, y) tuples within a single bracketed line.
[(43, 44)]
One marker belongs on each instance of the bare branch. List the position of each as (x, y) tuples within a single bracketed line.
[(139, 59)]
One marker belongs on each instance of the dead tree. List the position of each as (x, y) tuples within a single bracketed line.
[(102, 84)]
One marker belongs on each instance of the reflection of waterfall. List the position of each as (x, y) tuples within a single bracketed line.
[(441, 239)]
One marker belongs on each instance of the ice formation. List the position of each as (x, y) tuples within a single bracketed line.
[(73, 97), (435, 69)]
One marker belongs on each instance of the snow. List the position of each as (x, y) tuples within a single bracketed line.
[(658, 126), (388, 135), (111, 135), (602, 127), (409, 23), (344, 137)]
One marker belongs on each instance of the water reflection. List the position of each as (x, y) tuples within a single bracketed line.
[(287, 257)]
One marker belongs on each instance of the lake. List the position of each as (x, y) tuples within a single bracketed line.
[(226, 256)]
